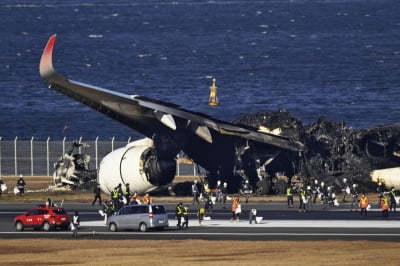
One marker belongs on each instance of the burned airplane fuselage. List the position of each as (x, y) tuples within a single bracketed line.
[(333, 152)]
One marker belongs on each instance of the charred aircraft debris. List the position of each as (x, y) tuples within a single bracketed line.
[(333, 152), (72, 168)]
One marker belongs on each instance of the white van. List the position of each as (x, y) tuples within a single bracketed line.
[(139, 217)]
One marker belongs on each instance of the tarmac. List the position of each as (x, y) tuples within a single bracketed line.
[(278, 224)]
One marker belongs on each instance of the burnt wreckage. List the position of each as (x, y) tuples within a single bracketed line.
[(72, 169), (332, 152)]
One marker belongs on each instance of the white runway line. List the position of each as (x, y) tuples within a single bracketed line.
[(281, 223)]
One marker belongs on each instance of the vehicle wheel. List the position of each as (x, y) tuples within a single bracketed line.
[(112, 227), (142, 227), (46, 226), (19, 226)]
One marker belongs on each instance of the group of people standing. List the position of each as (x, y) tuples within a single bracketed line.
[(182, 213), (182, 216), (19, 188), (388, 199), (201, 190), (387, 202), (327, 195), (119, 198), (307, 197)]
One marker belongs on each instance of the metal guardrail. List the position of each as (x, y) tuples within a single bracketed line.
[(36, 157)]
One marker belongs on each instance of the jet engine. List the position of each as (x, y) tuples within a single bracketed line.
[(137, 164)]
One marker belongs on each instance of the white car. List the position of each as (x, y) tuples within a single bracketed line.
[(139, 217)]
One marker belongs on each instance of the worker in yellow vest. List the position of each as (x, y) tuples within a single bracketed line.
[(364, 202), (302, 200), (185, 217), (385, 207), (200, 215), (178, 214), (393, 199)]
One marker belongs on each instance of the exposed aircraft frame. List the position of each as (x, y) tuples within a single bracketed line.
[(225, 150)]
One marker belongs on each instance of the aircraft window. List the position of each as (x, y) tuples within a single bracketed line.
[(158, 209)]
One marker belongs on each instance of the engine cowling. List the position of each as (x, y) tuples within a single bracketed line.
[(137, 164)]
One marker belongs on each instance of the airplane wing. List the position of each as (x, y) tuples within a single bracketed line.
[(148, 116)]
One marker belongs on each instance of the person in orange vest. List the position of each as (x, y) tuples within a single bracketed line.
[(363, 204), (236, 208), (146, 199), (385, 207)]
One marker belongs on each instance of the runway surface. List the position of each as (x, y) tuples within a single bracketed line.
[(278, 223)]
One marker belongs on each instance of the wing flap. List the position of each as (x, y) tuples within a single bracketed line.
[(166, 119)]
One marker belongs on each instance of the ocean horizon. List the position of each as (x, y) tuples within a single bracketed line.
[(338, 60)]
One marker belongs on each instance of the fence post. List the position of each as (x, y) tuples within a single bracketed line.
[(95, 147), (32, 156), (48, 156), (64, 139), (80, 141), (15, 157)]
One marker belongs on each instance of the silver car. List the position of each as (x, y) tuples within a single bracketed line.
[(139, 217)]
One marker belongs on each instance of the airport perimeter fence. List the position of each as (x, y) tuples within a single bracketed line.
[(37, 158)]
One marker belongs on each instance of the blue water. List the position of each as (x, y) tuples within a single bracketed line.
[(334, 59)]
